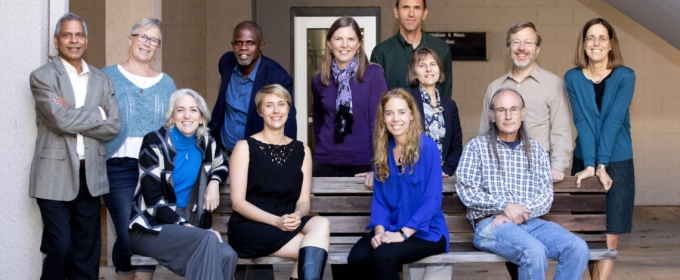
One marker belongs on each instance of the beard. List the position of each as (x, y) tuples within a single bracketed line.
[(522, 63), (245, 62)]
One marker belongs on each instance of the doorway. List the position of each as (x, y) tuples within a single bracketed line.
[(309, 28)]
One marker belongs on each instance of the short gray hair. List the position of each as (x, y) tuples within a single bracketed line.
[(67, 17), (202, 106), (147, 23)]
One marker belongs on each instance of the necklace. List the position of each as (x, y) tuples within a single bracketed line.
[(146, 78), (186, 150), (590, 76)]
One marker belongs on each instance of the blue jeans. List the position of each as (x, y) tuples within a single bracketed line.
[(530, 244), (123, 174)]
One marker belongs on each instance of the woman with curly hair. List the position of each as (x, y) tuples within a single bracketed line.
[(406, 218)]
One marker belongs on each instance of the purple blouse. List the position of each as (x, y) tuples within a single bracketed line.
[(357, 149)]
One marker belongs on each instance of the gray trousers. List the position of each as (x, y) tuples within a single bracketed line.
[(190, 252)]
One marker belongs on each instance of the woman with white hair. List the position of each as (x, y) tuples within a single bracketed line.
[(181, 170)]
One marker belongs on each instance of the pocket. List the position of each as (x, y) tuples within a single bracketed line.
[(53, 153), (102, 149)]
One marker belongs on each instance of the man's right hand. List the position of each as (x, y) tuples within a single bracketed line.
[(516, 213)]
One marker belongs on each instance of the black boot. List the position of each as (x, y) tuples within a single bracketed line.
[(311, 262)]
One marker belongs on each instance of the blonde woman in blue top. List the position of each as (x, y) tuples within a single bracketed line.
[(600, 91), (406, 218)]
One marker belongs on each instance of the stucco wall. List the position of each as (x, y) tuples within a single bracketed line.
[(25, 22)]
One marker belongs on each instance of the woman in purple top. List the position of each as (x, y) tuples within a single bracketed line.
[(346, 92)]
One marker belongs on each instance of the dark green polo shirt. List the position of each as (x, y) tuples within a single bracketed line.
[(394, 53)]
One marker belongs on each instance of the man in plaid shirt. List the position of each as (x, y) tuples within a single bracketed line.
[(505, 182)]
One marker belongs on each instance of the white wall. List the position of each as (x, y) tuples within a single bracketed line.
[(24, 27)]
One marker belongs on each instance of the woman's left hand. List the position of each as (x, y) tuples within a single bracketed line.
[(604, 178), (444, 175), (212, 196), (291, 221), (391, 237)]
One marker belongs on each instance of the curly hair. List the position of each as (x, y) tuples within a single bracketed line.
[(382, 135)]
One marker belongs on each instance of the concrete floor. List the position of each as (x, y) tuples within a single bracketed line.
[(651, 251)]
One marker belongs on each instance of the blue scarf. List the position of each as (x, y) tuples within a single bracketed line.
[(343, 102)]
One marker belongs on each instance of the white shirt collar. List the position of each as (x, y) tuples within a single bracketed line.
[(72, 70)]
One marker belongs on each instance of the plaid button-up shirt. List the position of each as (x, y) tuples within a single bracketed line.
[(486, 186)]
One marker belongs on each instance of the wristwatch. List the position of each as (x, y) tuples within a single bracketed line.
[(601, 166), (403, 235)]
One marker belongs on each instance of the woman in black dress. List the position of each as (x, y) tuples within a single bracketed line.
[(270, 178)]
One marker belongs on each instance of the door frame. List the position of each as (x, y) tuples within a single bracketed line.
[(302, 18)]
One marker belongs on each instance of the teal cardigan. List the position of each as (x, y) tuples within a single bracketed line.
[(603, 135), (140, 113)]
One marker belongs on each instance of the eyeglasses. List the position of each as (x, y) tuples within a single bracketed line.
[(527, 43), (502, 111), (591, 39), (143, 39)]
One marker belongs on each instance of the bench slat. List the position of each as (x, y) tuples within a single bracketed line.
[(450, 204), (451, 257), (456, 224), (345, 185)]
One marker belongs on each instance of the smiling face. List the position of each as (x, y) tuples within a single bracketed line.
[(187, 116), (427, 71), (248, 45), (397, 116), (274, 111), (144, 51), (598, 44), (524, 55), (508, 115), (71, 42), (343, 44), (410, 14)]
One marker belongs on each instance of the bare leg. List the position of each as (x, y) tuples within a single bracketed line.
[(138, 275), (315, 233), (602, 270), (125, 277), (143, 275)]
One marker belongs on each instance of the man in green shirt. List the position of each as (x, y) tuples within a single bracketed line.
[(394, 53)]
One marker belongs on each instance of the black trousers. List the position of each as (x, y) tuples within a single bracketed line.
[(71, 235), (384, 261)]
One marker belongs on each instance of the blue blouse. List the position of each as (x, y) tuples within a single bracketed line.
[(412, 200), (603, 135)]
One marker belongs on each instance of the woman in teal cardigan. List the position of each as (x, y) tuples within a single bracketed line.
[(600, 91)]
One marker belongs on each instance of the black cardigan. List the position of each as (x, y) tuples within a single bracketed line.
[(452, 147)]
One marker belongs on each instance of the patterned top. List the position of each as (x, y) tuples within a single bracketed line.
[(486, 186), (154, 201), (278, 153), (434, 119)]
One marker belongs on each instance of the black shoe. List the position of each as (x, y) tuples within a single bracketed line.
[(311, 263)]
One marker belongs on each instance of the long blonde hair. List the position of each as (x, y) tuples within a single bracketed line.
[(382, 135)]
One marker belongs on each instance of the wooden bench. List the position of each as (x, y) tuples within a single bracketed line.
[(347, 204)]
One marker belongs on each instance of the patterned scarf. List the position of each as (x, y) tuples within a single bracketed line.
[(343, 102)]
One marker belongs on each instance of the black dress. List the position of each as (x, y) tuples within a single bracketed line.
[(274, 184)]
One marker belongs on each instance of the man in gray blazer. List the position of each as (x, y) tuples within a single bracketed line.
[(76, 110)]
